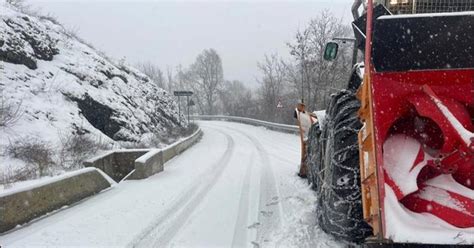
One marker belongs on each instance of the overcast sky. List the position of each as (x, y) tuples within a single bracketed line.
[(169, 33)]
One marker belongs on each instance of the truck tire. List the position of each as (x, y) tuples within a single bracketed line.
[(318, 134), (335, 172)]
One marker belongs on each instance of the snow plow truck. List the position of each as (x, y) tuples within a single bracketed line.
[(393, 159)]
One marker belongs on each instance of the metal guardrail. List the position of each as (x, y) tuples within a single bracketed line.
[(270, 125)]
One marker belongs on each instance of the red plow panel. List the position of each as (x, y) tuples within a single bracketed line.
[(424, 132)]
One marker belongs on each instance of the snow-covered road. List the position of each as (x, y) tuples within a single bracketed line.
[(236, 188)]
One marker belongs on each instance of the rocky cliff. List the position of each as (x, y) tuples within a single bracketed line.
[(55, 84)]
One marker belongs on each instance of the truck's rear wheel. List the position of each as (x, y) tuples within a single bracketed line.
[(334, 166)]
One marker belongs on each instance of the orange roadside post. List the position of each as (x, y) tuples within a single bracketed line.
[(305, 121)]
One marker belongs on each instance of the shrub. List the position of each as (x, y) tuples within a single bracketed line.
[(189, 130), (8, 176), (50, 17), (157, 140), (137, 145), (36, 153), (75, 148), (183, 131), (10, 112)]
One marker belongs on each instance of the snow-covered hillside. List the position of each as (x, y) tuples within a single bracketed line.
[(62, 86)]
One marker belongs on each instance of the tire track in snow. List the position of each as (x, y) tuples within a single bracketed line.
[(270, 208), (240, 230), (271, 144), (165, 227)]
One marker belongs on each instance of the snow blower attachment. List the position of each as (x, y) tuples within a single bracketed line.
[(393, 162), (417, 142)]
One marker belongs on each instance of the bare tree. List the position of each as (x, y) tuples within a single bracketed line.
[(207, 76), (237, 100), (154, 73), (318, 77), (169, 76), (183, 78), (301, 74), (272, 86)]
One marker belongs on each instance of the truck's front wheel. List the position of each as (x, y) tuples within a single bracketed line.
[(335, 171)]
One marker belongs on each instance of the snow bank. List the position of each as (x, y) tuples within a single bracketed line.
[(400, 155), (403, 225), (448, 183), (30, 185), (403, 160)]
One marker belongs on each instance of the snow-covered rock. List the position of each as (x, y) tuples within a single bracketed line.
[(62, 85)]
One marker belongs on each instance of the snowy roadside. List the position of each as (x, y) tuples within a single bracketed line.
[(301, 228), (214, 200)]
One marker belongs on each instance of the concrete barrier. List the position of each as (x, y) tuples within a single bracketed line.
[(169, 153), (181, 146), (269, 125), (118, 163), (139, 163), (22, 205), (147, 165), (154, 161)]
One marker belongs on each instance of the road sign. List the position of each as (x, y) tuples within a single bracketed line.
[(279, 105), (183, 93), (187, 94)]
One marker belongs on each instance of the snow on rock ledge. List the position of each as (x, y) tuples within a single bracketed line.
[(64, 85)]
